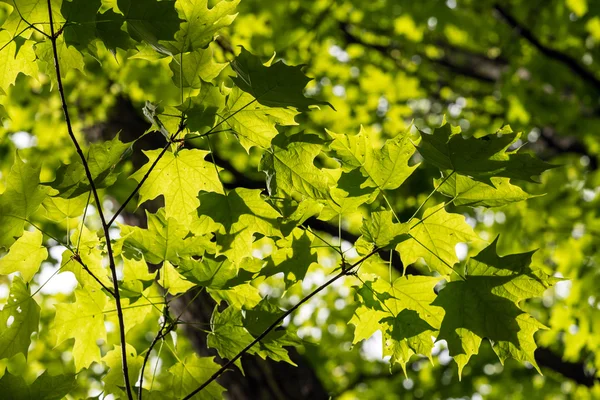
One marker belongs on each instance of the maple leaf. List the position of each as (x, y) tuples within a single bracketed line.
[(190, 373), (293, 257), (380, 230), (220, 278), (83, 321), (22, 197), (468, 192), (102, 159), (60, 209), (19, 317), (91, 256), (114, 380), (385, 168), (228, 335), (171, 280), (290, 170), (203, 109), (200, 23), (406, 335), (433, 237), (485, 304), (191, 69), (70, 59), (150, 20), (276, 85), (15, 60), (241, 213), (255, 124), (402, 311), (165, 239), (81, 14), (481, 158), (34, 12), (25, 256), (45, 387), (178, 177)]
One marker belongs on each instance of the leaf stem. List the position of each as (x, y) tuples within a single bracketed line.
[(105, 226), (162, 332)]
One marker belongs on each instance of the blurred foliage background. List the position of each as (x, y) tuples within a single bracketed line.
[(384, 65)]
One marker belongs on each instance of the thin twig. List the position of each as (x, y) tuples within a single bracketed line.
[(105, 226), (162, 332), (31, 25), (77, 258), (344, 272)]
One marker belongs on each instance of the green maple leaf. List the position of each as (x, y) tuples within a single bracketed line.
[(213, 273), (413, 293), (45, 387), (114, 379), (229, 336), (293, 257), (91, 255), (290, 170), (200, 24), (240, 296), (83, 321), (255, 124), (481, 158), (220, 278), (191, 69), (468, 192), (202, 113), (295, 214), (33, 11), (486, 304), (108, 30), (178, 177), (189, 374), (240, 214), (136, 277), (60, 209), (407, 334), (81, 14), (433, 237), (102, 159), (165, 239), (382, 231), (149, 20), (276, 85), (173, 281), (19, 318), (22, 197), (402, 310), (69, 57), (261, 317), (366, 322), (25, 256), (15, 60), (385, 168)]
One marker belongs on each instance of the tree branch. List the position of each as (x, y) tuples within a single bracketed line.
[(343, 272), (105, 226), (549, 52), (86, 269)]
